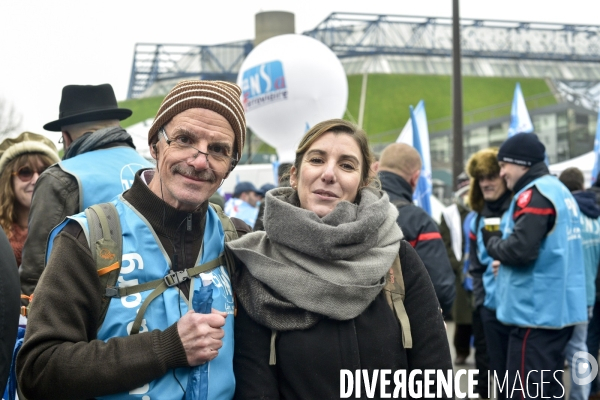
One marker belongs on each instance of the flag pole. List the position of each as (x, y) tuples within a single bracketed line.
[(457, 122)]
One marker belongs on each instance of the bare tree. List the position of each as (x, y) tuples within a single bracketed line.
[(10, 119)]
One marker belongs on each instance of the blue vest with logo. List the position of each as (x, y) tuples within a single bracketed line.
[(489, 280), (144, 260), (549, 293), (103, 174), (590, 236)]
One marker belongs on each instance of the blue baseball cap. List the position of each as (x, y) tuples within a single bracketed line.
[(266, 187), (245, 187)]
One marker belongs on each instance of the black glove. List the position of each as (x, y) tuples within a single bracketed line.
[(487, 235)]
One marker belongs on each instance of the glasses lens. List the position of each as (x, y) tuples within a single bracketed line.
[(25, 174), (185, 148)]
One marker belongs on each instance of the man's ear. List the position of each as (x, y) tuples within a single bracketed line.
[(67, 140), (154, 151), (414, 179)]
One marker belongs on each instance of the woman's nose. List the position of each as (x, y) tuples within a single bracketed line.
[(329, 173), (34, 178)]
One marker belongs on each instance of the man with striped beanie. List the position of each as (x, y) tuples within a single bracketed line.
[(150, 342)]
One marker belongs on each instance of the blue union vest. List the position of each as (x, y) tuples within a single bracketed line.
[(550, 293), (103, 174), (489, 280), (144, 259), (590, 235)]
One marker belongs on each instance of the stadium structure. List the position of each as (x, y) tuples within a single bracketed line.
[(565, 56)]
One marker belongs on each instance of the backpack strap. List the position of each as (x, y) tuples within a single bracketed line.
[(395, 294), (106, 245), (160, 285), (228, 227), (230, 234)]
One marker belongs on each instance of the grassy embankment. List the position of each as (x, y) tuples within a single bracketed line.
[(388, 98)]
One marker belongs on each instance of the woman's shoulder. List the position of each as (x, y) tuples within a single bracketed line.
[(409, 259), (414, 272)]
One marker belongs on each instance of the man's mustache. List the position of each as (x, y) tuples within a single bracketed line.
[(204, 175)]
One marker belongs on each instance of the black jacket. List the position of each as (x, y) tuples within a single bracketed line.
[(491, 209), (421, 231), (308, 362), (588, 204), (533, 220), (9, 307), (596, 190)]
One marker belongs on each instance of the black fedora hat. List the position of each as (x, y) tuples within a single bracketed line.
[(85, 103)]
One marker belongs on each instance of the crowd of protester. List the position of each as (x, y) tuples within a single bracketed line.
[(138, 280)]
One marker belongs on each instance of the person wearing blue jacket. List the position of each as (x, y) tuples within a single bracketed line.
[(572, 178), (541, 279), (243, 204)]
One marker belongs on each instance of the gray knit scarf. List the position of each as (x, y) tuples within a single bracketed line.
[(95, 140), (304, 268)]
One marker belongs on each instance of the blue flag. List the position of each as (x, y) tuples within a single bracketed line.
[(520, 122), (422, 193), (596, 151)]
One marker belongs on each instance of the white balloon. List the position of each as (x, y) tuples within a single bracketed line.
[(289, 84)]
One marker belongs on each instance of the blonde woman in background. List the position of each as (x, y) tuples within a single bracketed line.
[(22, 160)]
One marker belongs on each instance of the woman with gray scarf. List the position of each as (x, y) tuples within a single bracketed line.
[(310, 287)]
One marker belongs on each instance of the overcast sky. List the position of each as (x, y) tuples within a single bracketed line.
[(45, 45)]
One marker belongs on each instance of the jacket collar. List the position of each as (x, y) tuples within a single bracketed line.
[(498, 207), (536, 171), (395, 186), (164, 219)]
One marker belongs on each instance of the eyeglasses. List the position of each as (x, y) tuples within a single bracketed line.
[(183, 145), (25, 174)]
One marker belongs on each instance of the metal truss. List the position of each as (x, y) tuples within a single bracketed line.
[(351, 35), (154, 64), (394, 44)]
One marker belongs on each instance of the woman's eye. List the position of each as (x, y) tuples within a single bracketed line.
[(315, 160), (348, 167)]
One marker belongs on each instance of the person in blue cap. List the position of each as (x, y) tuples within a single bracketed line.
[(243, 204)]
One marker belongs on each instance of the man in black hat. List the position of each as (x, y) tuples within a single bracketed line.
[(99, 163), (541, 281)]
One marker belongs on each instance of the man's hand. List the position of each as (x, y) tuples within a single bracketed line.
[(487, 235), (495, 267), (201, 335)]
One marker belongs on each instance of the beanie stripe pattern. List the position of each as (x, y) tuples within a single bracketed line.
[(218, 96)]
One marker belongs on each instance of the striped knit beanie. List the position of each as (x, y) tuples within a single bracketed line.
[(218, 96)]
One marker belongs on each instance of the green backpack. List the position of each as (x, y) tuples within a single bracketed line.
[(106, 245)]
